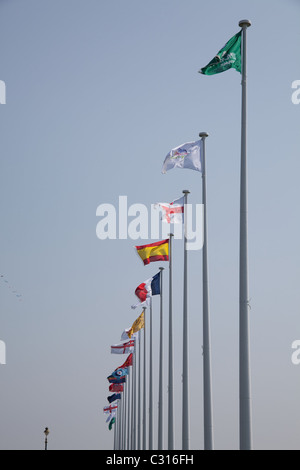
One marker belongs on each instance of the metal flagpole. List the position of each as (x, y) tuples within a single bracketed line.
[(170, 387), (245, 382), (185, 365), (124, 417), (161, 371), (128, 411), (207, 386), (151, 382), (139, 397), (145, 391), (115, 433), (133, 402), (119, 424)]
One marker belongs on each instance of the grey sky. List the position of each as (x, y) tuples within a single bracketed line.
[(97, 94)]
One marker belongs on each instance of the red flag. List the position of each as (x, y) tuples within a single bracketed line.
[(116, 388), (128, 362)]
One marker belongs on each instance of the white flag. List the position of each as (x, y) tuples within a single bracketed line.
[(111, 416), (172, 213), (125, 336), (185, 156), (123, 348)]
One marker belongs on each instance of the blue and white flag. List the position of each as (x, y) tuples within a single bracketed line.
[(185, 156), (146, 290), (114, 397)]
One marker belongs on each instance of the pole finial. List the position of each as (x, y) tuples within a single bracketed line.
[(245, 23), (186, 191), (203, 135)]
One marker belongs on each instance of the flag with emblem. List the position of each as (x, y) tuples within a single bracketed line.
[(185, 156), (228, 57)]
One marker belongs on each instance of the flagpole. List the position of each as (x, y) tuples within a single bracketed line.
[(119, 424), (144, 390), (170, 388), (115, 433), (128, 411), (185, 368), (207, 386), (151, 382), (161, 371), (245, 381), (139, 398), (133, 419), (124, 417)]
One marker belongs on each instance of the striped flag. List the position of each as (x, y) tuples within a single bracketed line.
[(145, 290), (158, 251)]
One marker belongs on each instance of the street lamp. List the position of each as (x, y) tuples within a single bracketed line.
[(46, 432)]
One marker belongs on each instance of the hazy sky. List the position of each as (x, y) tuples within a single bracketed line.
[(98, 92)]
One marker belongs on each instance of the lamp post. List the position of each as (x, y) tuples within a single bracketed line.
[(46, 432)]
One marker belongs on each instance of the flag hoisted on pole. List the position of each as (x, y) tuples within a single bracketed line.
[(161, 371), (144, 389), (207, 380), (151, 378), (228, 57), (245, 381), (171, 434), (185, 362), (234, 55)]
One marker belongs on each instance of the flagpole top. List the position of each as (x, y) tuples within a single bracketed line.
[(245, 23), (203, 135), (161, 269), (186, 191), (171, 235)]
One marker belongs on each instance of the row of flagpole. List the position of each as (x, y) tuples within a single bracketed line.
[(130, 414), (131, 385)]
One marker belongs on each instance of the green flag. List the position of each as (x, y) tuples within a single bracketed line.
[(112, 421), (228, 57)]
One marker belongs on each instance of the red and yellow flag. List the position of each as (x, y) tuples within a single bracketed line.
[(158, 251)]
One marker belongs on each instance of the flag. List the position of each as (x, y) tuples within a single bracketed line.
[(128, 362), (116, 388), (125, 333), (158, 251), (123, 348), (145, 290), (111, 416), (112, 421), (120, 372), (114, 397), (110, 409), (173, 213), (137, 325), (228, 57), (116, 380), (185, 156)]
